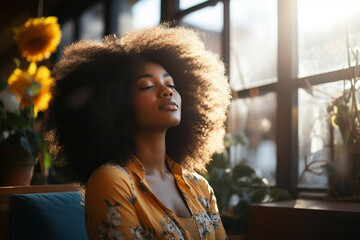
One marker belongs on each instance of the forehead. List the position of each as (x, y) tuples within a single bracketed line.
[(152, 67)]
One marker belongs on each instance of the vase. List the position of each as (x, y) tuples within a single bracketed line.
[(16, 167)]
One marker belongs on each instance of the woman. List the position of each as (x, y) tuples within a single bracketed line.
[(132, 120)]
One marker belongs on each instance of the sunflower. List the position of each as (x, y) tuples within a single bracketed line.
[(38, 38), (32, 86)]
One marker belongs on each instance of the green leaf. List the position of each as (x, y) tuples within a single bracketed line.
[(24, 143), (241, 208), (223, 196), (27, 111), (241, 170), (259, 182), (242, 183), (220, 159), (15, 120), (48, 159), (259, 195), (238, 138), (3, 83), (35, 88), (17, 62), (278, 194), (31, 143)]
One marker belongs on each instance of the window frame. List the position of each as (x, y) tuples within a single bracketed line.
[(286, 87)]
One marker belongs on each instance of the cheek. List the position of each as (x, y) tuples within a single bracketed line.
[(137, 106), (178, 99), (140, 106)]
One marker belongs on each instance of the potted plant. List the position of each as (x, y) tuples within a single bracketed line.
[(343, 166), (20, 143), (235, 189)]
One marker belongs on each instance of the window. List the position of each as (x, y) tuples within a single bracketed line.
[(253, 54), (253, 43), (314, 132), (254, 119), (322, 29), (185, 4), (109, 17), (67, 36), (143, 13), (253, 63), (209, 22), (92, 25), (271, 52), (322, 34)]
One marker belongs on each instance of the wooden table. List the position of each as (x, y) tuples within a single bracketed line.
[(305, 219)]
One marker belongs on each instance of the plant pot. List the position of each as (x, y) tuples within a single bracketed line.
[(16, 167), (344, 175)]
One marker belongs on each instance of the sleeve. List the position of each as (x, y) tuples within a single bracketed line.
[(213, 211), (109, 205)]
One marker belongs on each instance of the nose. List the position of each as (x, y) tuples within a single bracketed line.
[(167, 92)]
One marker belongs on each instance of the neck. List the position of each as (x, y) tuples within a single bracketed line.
[(151, 151)]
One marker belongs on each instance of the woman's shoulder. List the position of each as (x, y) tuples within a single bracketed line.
[(109, 174), (196, 179), (108, 185)]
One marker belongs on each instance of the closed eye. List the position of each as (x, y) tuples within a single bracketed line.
[(170, 86), (145, 88)]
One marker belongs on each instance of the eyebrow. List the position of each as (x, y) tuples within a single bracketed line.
[(150, 75)]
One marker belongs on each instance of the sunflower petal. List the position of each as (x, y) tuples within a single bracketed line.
[(32, 68), (42, 75), (18, 82)]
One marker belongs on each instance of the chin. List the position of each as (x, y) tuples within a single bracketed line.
[(174, 123)]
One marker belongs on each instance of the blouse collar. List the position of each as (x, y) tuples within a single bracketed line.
[(138, 168)]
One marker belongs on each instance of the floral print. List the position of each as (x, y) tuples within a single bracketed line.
[(192, 177), (204, 221), (170, 230), (139, 233), (108, 230), (214, 217), (204, 202), (119, 204)]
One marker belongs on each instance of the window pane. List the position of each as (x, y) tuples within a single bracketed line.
[(254, 119), (185, 4), (314, 132), (209, 21), (92, 23), (322, 34), (144, 13), (67, 36), (253, 43)]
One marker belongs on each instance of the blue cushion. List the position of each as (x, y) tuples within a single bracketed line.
[(50, 216)]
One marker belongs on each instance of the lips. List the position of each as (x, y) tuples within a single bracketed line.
[(168, 104)]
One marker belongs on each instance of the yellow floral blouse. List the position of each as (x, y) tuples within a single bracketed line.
[(119, 204)]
